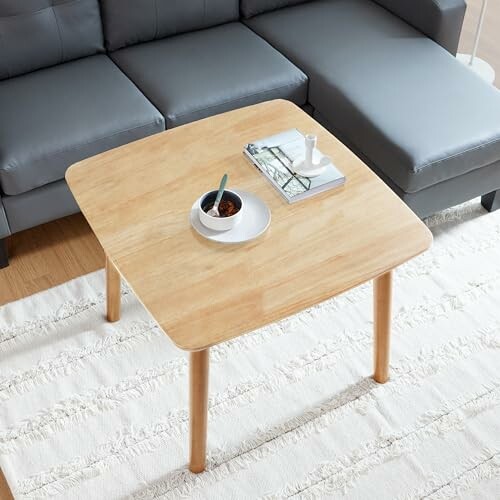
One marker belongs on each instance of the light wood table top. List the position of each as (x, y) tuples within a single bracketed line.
[(137, 199)]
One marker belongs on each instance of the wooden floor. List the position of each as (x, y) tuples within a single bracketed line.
[(48, 255), (65, 249)]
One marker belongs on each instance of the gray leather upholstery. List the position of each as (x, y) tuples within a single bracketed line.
[(60, 115), (39, 206), (446, 194), (452, 192), (250, 8), (54, 117), (4, 225), (127, 22), (439, 196), (39, 33), (419, 115), (195, 75), (440, 20)]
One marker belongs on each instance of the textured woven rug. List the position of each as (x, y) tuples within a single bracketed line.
[(94, 410)]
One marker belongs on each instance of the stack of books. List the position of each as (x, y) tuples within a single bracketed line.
[(275, 156)]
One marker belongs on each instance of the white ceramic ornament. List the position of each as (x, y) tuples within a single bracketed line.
[(313, 164)]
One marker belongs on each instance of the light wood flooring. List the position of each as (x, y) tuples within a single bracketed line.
[(51, 254)]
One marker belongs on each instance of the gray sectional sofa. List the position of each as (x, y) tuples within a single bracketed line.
[(78, 77)]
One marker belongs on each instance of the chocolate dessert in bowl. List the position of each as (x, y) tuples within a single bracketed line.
[(230, 210)]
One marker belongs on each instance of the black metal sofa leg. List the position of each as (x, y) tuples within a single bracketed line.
[(491, 201), (4, 254)]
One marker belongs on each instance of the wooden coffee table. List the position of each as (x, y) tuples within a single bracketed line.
[(137, 199)]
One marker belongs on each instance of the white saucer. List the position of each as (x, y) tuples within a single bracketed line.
[(310, 173), (255, 220), (298, 166)]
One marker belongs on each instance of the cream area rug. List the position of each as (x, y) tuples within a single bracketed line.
[(91, 410)]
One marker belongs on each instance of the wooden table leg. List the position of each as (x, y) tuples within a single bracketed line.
[(382, 301), (113, 292), (199, 364)]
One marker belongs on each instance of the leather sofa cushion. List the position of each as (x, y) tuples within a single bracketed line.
[(250, 8), (40, 33), (39, 206), (195, 75), (396, 96), (128, 22), (57, 116)]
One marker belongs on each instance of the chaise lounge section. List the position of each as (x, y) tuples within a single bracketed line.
[(399, 100), (381, 75)]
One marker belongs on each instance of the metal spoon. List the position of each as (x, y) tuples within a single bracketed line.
[(214, 211)]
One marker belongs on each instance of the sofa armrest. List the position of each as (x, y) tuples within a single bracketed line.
[(440, 20)]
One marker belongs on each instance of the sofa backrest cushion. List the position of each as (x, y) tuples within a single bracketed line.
[(38, 33), (127, 22), (250, 8)]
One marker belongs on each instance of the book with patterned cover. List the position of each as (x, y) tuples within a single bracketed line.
[(274, 157)]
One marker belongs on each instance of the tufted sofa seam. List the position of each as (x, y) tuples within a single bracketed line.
[(455, 155), (58, 31), (156, 20), (35, 12)]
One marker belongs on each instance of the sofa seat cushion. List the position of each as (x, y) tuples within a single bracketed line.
[(57, 116), (393, 94), (195, 75)]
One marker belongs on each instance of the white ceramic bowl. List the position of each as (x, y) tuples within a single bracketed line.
[(219, 223)]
